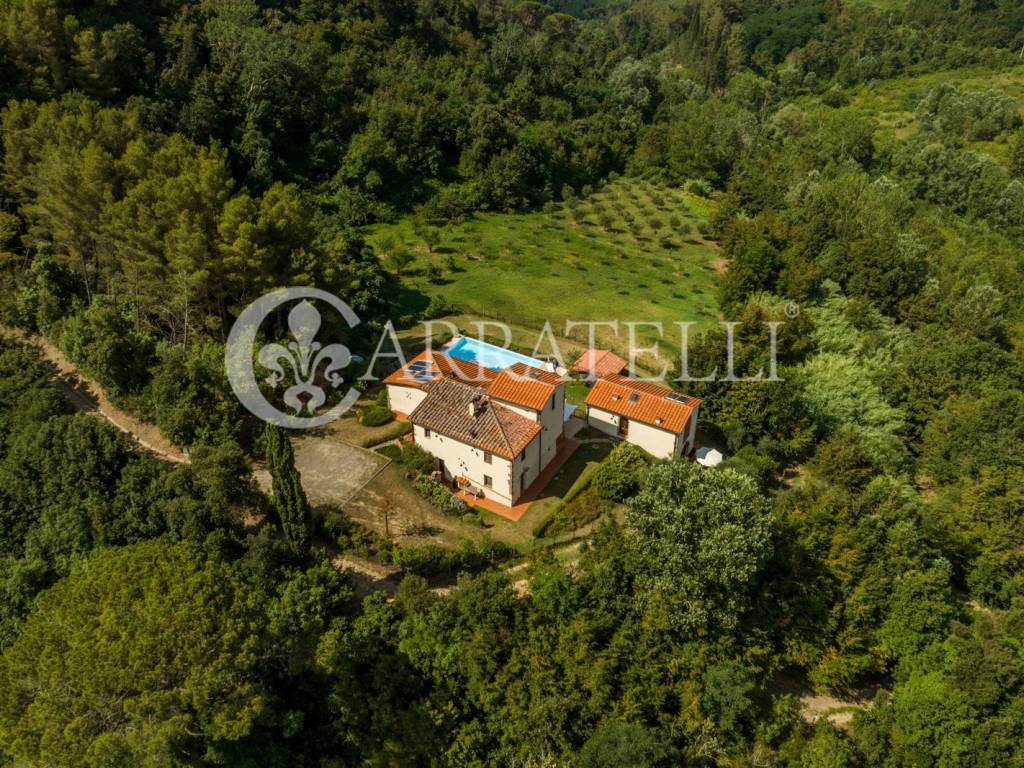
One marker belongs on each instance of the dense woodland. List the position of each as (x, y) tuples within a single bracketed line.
[(164, 163)]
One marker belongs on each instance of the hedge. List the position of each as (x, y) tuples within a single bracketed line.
[(398, 430), (430, 559)]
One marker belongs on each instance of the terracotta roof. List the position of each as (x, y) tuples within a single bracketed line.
[(524, 385), (447, 410), (642, 401), (439, 364), (599, 363)]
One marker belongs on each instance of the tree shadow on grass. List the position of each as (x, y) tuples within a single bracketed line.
[(402, 300)]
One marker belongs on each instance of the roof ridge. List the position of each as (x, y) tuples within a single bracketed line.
[(501, 427)]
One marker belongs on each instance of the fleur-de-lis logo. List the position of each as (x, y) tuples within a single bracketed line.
[(304, 362), (304, 356)]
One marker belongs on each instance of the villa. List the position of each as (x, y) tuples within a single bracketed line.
[(495, 420)]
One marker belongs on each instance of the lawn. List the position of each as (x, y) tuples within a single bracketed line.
[(576, 469), (631, 251), (576, 393)]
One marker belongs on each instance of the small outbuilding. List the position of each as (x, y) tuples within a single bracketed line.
[(599, 364), (659, 420)]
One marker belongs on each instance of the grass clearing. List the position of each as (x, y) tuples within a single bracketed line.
[(892, 103), (631, 251)]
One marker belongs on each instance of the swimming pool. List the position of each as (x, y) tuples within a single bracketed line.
[(487, 355)]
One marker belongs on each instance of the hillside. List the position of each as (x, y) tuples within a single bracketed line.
[(630, 250), (838, 182)]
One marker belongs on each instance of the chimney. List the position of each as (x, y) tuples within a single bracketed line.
[(477, 404)]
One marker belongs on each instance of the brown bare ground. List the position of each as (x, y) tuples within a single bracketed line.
[(837, 710)]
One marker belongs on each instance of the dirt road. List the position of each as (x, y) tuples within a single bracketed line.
[(85, 395)]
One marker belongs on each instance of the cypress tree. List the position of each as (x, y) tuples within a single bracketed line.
[(287, 496)]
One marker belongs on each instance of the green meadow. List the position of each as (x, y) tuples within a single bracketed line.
[(892, 103), (630, 251)]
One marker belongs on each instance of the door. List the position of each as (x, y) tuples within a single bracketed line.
[(623, 426)]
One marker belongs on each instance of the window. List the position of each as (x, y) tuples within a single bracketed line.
[(487, 481), (488, 457), (426, 432), (552, 402)]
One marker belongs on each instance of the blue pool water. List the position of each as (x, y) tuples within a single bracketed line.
[(487, 355)]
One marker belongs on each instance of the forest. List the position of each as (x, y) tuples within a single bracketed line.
[(165, 163)]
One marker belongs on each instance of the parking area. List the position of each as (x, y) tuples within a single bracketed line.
[(332, 471)]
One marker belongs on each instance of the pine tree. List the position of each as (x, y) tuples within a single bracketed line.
[(287, 496)]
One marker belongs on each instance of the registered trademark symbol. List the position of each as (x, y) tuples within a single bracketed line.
[(792, 310)]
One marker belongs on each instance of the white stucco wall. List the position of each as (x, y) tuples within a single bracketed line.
[(526, 413), (404, 400), (657, 442), (461, 460), (526, 468), (551, 419), (603, 420)]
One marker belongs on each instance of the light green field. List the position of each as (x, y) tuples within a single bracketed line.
[(629, 252), (892, 103)]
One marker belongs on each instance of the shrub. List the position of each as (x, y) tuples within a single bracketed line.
[(585, 508), (189, 396), (431, 559), (393, 433), (376, 416), (338, 526), (417, 459), (749, 462), (440, 497), (699, 187), (392, 452), (834, 97), (439, 306), (540, 528), (618, 477)]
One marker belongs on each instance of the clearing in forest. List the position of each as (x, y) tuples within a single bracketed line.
[(632, 250)]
